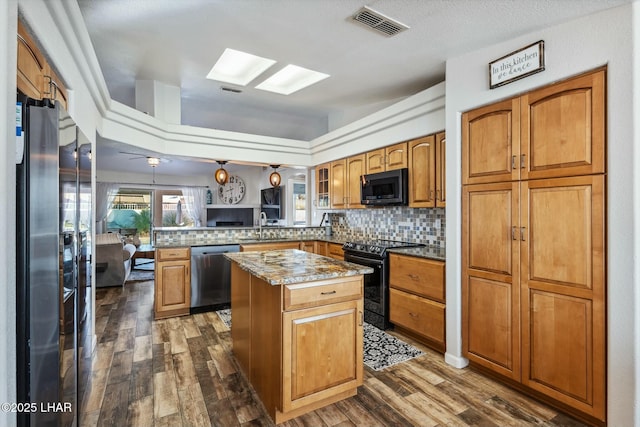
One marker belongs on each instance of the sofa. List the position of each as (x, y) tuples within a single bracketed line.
[(113, 260)]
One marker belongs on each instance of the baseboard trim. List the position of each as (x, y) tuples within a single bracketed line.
[(455, 361)]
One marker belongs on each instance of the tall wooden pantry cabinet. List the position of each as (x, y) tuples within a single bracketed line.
[(534, 253)]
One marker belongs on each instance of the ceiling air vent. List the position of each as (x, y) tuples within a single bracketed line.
[(378, 21), (230, 89)]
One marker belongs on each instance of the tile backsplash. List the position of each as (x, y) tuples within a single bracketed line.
[(418, 225)]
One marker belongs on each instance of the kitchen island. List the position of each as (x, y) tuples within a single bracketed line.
[(297, 325)]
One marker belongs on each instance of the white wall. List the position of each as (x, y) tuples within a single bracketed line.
[(570, 48), (8, 26)]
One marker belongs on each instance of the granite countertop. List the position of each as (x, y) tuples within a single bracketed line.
[(428, 252), (241, 241), (288, 266)]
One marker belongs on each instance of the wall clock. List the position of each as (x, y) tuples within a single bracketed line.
[(233, 191)]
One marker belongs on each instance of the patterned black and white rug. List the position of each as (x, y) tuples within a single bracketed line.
[(225, 316), (143, 271), (381, 350)]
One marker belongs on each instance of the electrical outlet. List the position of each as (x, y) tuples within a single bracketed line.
[(438, 223)]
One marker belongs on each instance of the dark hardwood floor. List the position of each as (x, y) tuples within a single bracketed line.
[(181, 372)]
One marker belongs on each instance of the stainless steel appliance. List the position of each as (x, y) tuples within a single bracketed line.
[(385, 188), (47, 270), (376, 285), (210, 277)]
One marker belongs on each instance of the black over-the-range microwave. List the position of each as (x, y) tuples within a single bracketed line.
[(384, 188)]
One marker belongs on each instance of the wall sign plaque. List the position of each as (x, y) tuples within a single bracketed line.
[(517, 65)]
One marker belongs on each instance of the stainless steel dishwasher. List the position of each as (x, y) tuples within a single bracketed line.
[(210, 276)]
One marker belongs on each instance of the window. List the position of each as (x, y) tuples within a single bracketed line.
[(130, 215), (299, 203)]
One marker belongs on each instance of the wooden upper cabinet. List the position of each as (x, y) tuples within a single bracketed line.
[(375, 161), (422, 186), (441, 169), (563, 128), (31, 65), (356, 167), (323, 185), (54, 89), (338, 192), (35, 76), (387, 158), (426, 171), (491, 143), (550, 132), (397, 156)]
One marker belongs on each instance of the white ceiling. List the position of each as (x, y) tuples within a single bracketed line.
[(177, 42)]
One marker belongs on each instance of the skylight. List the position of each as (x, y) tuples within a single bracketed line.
[(238, 67), (291, 79)]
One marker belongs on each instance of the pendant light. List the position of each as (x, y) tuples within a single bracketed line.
[(274, 178), (221, 174)]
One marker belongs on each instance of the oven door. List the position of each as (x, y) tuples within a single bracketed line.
[(375, 292)]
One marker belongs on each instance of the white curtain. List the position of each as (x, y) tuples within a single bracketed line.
[(194, 199), (106, 193)]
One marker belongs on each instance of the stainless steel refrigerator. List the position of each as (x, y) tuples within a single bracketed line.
[(47, 247)]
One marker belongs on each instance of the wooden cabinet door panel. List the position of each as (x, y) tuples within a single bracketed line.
[(308, 246), (563, 232), (491, 143), (563, 291), (311, 376), (335, 251), (418, 314), (174, 285), (491, 269), (356, 166), (490, 219), (31, 65), (560, 343), (322, 248), (441, 169), (491, 327), (323, 182), (375, 161), (338, 175), (563, 128), (422, 164), (396, 156)]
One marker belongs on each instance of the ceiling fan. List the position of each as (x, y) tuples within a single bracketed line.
[(152, 160)]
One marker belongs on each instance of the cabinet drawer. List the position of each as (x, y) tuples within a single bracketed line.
[(417, 275), (167, 254), (323, 292), (420, 315)]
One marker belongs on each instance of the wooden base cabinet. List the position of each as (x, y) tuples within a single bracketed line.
[(172, 282), (534, 286), (318, 362), (286, 342), (417, 298)]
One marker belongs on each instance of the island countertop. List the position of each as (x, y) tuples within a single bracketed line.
[(288, 266)]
